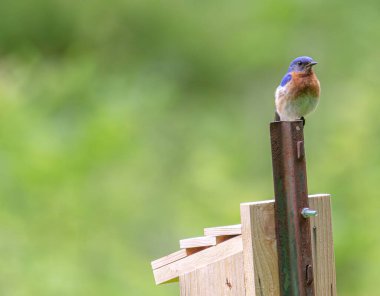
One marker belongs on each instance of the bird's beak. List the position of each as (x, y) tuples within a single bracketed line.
[(310, 65)]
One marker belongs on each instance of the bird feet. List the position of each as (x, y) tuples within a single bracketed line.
[(276, 116)]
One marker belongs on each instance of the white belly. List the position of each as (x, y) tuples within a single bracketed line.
[(296, 108)]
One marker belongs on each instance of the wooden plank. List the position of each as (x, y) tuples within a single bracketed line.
[(198, 260), (202, 241), (224, 277), (195, 242), (260, 250), (323, 247), (223, 230), (175, 257), (168, 259)]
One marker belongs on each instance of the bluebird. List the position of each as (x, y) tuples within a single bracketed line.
[(298, 93)]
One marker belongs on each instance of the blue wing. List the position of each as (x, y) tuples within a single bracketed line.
[(286, 79)]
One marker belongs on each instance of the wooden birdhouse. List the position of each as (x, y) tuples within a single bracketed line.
[(282, 246), (242, 259)]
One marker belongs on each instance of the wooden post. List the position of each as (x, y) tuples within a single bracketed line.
[(261, 271)]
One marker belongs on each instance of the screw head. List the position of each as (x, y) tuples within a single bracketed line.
[(307, 213)]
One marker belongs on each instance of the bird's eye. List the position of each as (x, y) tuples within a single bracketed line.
[(299, 63)]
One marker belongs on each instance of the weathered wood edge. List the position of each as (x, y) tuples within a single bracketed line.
[(223, 230), (198, 260)]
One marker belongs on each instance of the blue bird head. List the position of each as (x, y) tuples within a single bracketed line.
[(302, 64)]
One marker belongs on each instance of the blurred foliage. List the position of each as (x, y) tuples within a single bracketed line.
[(127, 125)]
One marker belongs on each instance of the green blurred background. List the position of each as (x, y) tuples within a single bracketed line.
[(128, 125)]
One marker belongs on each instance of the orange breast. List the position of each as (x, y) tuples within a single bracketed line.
[(304, 84)]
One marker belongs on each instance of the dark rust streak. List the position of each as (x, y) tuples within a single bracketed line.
[(261, 288)]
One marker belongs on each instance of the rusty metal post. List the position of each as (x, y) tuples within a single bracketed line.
[(291, 198)]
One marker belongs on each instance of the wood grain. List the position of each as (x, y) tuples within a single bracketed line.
[(198, 260), (323, 247), (175, 257), (260, 250), (224, 277), (195, 242), (223, 230), (202, 241), (259, 244), (168, 259)]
